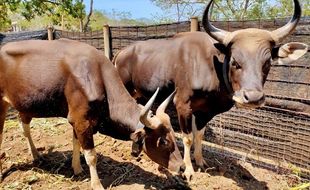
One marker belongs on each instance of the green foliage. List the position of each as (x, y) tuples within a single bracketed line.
[(100, 18), (48, 10), (5, 8), (229, 9), (64, 14)]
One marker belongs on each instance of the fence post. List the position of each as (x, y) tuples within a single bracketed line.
[(106, 40), (50, 32), (194, 24)]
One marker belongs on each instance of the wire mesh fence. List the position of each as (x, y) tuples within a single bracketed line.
[(94, 38), (123, 36), (280, 131)]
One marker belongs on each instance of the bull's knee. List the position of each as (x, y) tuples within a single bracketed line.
[(90, 157)]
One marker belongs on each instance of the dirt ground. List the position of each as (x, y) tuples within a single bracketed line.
[(117, 168)]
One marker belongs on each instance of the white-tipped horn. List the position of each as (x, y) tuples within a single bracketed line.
[(145, 110), (215, 33), (164, 104), (280, 33)]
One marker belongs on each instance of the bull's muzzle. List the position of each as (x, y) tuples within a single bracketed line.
[(249, 98)]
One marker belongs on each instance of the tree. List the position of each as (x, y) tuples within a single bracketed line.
[(5, 8), (230, 9), (177, 9), (56, 9)]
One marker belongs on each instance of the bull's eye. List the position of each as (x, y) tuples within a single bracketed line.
[(266, 66), (235, 64)]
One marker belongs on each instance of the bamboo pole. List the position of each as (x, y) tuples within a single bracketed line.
[(106, 39), (194, 24)]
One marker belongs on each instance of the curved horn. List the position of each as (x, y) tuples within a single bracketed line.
[(163, 106), (214, 32), (280, 33), (146, 109)]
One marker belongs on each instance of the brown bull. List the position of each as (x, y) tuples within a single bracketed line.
[(70, 79), (212, 71)]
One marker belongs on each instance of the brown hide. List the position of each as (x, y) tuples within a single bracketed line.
[(70, 79), (187, 60), (211, 70), (50, 79), (149, 64)]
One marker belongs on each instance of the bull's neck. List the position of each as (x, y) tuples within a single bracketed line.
[(116, 128), (124, 112)]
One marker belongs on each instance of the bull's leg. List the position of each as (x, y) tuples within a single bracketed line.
[(76, 162), (78, 108), (91, 160), (187, 142), (198, 136), (185, 121), (85, 137), (3, 110), (25, 126), (199, 127)]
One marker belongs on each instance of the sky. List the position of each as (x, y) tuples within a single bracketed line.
[(137, 8)]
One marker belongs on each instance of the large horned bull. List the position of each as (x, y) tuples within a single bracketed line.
[(74, 80), (212, 72)]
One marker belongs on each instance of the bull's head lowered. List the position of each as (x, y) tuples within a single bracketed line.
[(248, 56), (157, 137)]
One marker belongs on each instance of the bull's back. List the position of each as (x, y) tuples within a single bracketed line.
[(34, 74), (188, 57)]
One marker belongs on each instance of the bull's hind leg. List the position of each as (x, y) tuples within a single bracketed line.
[(3, 110), (25, 126)]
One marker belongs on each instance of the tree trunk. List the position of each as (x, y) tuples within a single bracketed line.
[(81, 25), (88, 16)]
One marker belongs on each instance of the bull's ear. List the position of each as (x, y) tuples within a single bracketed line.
[(138, 140), (138, 136), (221, 47), (289, 52)]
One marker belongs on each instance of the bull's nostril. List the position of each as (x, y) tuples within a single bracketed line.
[(245, 96), (253, 96), (134, 153), (182, 168)]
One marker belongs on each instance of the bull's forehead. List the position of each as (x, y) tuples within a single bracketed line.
[(250, 36), (254, 42)]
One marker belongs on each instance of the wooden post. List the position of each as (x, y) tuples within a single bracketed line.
[(50, 32), (62, 22), (106, 40), (194, 24)]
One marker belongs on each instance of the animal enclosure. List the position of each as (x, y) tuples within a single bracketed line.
[(276, 136)]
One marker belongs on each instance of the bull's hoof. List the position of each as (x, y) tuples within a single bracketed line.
[(35, 155), (78, 171), (97, 185), (188, 174), (201, 164)]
